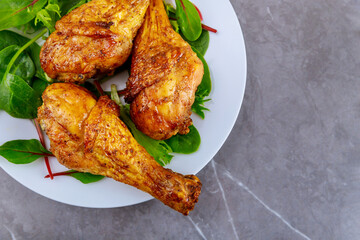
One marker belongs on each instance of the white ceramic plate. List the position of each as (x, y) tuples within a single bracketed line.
[(227, 61)]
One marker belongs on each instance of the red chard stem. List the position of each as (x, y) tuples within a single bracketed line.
[(42, 141)]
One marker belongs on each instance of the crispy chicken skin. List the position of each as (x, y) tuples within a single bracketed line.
[(165, 74), (93, 39), (88, 136)]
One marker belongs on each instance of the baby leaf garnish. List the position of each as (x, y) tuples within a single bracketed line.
[(185, 144), (48, 16), (202, 43), (198, 106), (188, 19), (23, 151)]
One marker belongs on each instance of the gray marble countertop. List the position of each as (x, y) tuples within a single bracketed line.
[(291, 166)]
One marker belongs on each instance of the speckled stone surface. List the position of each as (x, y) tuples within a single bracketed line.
[(291, 166)]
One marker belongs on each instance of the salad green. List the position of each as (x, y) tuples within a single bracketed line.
[(188, 19), (23, 151)]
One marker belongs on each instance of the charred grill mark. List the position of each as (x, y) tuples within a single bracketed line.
[(105, 25)]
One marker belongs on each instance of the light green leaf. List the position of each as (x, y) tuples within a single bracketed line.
[(188, 19)]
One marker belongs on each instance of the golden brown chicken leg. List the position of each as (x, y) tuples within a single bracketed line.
[(88, 136), (93, 39), (165, 74)]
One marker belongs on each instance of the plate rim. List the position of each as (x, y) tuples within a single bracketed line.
[(200, 166)]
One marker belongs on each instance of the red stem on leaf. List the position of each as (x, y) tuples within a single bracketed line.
[(182, 4), (99, 88), (205, 27), (30, 5), (42, 141), (62, 174), (39, 154), (198, 10)]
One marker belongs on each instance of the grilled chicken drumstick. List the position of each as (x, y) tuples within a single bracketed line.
[(93, 39), (165, 74), (88, 136)]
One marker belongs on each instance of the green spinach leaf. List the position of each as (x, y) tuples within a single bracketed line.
[(185, 144), (188, 19), (202, 43), (23, 151), (17, 98), (204, 88), (23, 66), (14, 13), (39, 87), (8, 38), (85, 178)]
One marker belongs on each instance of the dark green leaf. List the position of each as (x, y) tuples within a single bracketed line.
[(14, 13), (202, 43), (185, 144), (39, 86), (8, 38), (86, 178), (23, 66), (17, 98), (204, 88), (188, 19), (23, 151)]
